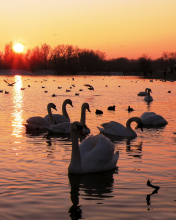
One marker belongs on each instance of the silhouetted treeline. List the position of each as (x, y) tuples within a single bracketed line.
[(66, 59)]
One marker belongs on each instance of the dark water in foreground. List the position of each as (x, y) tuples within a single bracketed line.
[(34, 180)]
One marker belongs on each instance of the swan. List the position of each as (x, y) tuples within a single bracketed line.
[(143, 93), (39, 123), (94, 154), (152, 119), (148, 97), (58, 118), (117, 129), (64, 127)]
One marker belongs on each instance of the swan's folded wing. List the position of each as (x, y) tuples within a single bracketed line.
[(87, 145), (61, 128), (37, 120), (114, 128), (101, 157), (57, 118)]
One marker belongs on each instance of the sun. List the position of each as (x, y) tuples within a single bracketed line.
[(18, 47)]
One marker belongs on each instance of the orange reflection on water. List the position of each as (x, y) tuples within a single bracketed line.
[(17, 113)]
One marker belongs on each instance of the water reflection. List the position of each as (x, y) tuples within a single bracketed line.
[(148, 197), (96, 186), (135, 149), (18, 102)]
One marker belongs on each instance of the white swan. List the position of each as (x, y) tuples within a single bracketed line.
[(143, 93), (152, 119), (39, 123), (94, 154), (148, 97), (117, 129), (64, 127), (58, 118)]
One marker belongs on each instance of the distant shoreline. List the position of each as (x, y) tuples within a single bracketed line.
[(154, 75)]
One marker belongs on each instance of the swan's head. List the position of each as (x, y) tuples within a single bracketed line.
[(77, 127), (69, 101), (52, 105), (86, 106)]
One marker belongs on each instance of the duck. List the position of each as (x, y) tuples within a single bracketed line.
[(64, 127), (98, 112), (111, 108), (39, 123), (143, 93), (117, 129), (130, 109), (151, 119), (148, 97), (58, 118), (94, 154)]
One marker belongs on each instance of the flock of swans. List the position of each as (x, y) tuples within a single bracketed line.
[(96, 152)]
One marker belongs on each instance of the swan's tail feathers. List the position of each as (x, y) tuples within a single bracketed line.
[(100, 129), (116, 157)]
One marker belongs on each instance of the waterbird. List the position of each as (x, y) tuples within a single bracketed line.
[(89, 86), (94, 154), (151, 119), (9, 84), (117, 129), (39, 123), (64, 117), (112, 108), (130, 109), (98, 112)]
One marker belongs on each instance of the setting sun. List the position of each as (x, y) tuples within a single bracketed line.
[(18, 47)]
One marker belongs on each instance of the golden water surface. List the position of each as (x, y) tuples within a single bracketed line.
[(34, 181)]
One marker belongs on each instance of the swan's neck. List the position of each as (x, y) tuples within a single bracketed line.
[(64, 111), (83, 116), (128, 125), (51, 120), (148, 93), (75, 163)]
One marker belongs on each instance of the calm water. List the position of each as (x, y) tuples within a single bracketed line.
[(34, 181)]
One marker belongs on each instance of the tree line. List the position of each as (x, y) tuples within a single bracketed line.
[(67, 59)]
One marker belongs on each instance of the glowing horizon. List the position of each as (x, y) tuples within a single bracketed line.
[(121, 28)]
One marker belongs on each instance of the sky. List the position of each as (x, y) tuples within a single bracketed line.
[(119, 28)]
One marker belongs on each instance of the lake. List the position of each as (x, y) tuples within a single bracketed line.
[(34, 181)]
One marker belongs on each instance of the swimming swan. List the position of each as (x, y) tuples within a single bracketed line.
[(39, 123), (94, 154), (58, 118), (64, 127), (148, 97), (117, 129), (143, 93), (152, 119)]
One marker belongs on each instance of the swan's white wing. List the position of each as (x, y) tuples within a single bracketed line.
[(147, 114), (142, 94), (37, 120), (87, 145), (57, 118), (61, 128), (101, 157), (115, 128), (154, 120)]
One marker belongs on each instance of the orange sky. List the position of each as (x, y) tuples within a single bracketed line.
[(120, 28)]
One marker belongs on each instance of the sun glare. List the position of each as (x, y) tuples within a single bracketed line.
[(18, 47)]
